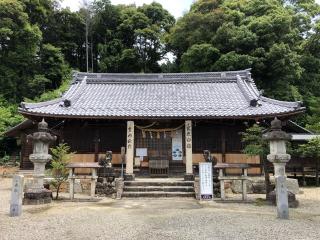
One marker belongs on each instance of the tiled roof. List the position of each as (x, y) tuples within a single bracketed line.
[(174, 95)]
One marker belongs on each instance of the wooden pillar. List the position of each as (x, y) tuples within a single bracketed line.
[(188, 144), (223, 144), (96, 145), (130, 151)]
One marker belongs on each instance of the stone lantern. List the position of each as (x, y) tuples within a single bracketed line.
[(279, 158), (36, 193)]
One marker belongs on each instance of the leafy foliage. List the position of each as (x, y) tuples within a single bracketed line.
[(199, 58), (60, 157), (311, 148), (129, 38), (254, 142)]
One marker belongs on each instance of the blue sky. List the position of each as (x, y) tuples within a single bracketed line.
[(175, 7)]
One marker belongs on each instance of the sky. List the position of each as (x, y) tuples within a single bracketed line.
[(175, 7)]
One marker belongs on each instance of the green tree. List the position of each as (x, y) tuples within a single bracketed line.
[(256, 145), (60, 157), (312, 149), (127, 34), (52, 65), (66, 30), (19, 48), (199, 58)]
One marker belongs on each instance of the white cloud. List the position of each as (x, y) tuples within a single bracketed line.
[(175, 7)]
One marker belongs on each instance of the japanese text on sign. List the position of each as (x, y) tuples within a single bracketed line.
[(206, 184)]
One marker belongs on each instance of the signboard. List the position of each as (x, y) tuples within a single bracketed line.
[(206, 183), (141, 152), (177, 153)]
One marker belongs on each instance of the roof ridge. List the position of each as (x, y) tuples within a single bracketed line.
[(159, 77), (247, 92), (26, 105), (295, 104), (77, 92)]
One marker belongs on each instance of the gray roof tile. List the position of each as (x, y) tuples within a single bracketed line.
[(177, 95)]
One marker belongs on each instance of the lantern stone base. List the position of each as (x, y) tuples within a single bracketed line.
[(37, 196), (189, 177), (293, 203)]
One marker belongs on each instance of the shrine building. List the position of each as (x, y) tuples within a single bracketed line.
[(164, 121)]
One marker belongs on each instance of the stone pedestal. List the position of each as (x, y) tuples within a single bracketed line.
[(279, 158), (36, 193)]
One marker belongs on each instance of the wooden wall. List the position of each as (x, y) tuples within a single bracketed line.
[(233, 158), (90, 157)]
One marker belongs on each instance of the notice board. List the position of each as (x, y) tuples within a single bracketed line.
[(206, 183)]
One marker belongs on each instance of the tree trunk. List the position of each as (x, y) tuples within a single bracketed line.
[(58, 188)]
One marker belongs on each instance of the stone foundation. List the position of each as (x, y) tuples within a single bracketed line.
[(189, 177), (37, 197), (129, 177), (293, 202), (257, 185), (104, 188)]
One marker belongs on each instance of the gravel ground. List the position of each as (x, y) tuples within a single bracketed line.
[(159, 219)]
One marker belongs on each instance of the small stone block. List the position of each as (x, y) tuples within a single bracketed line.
[(129, 177), (15, 210), (189, 177)]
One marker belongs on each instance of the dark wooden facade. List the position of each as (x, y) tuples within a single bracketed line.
[(97, 137)]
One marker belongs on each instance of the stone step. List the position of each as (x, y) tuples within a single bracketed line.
[(158, 183), (158, 189), (157, 194), (177, 171)]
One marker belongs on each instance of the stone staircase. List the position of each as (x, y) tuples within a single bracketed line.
[(177, 169), (158, 188)]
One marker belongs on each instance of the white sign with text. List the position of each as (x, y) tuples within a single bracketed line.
[(206, 183)]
